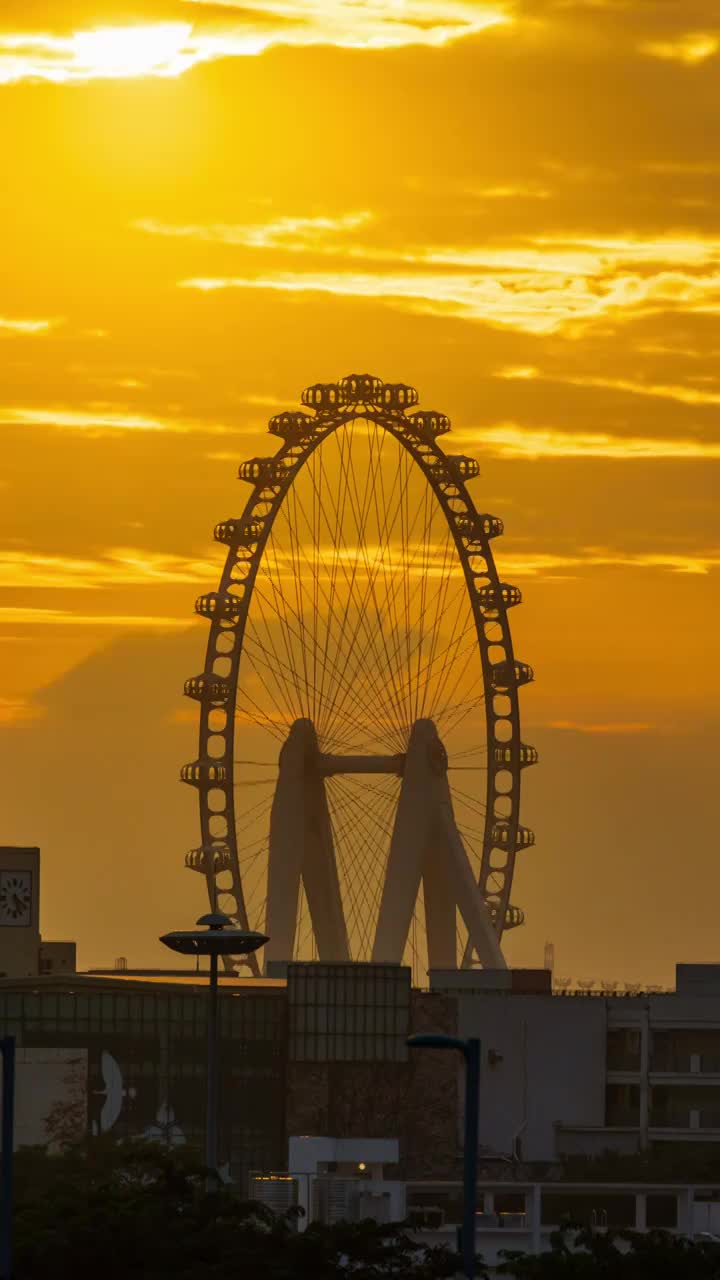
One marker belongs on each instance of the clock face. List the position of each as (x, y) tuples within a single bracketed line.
[(15, 898)]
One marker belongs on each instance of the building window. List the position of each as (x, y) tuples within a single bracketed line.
[(661, 1212), (685, 1051), (348, 1012), (622, 1105), (684, 1107), (623, 1049)]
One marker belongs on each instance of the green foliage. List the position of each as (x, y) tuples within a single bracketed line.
[(107, 1211), (579, 1254), (103, 1211)]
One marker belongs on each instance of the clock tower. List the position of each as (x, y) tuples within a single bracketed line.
[(19, 911)]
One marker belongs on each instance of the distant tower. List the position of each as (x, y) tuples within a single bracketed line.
[(19, 911), (549, 961)]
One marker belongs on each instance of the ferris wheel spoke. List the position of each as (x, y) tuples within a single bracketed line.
[(297, 635), (253, 845), (439, 664), (353, 869), (278, 667), (377, 664), (280, 608), (415, 647), (424, 584), (451, 678), (335, 543), (453, 714), (397, 640), (351, 791), (258, 668), (356, 867), (371, 594), (342, 683), (471, 751), (385, 550), (352, 725), (441, 609), (467, 798), (381, 664), (338, 538), (261, 719), (390, 578)]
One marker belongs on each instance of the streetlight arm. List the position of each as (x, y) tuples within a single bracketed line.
[(437, 1041)]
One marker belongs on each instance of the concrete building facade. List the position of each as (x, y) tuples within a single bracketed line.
[(580, 1074), (320, 1056)]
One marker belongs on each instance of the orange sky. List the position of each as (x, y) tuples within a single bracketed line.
[(512, 206)]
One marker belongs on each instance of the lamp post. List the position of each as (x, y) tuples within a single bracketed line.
[(218, 938), (7, 1121), (470, 1049)]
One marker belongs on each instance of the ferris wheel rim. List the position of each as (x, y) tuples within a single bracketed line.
[(506, 756)]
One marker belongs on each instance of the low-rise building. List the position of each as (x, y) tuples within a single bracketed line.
[(320, 1055)]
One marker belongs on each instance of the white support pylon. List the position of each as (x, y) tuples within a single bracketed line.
[(301, 844), (427, 844)]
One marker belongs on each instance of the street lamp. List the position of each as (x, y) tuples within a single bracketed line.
[(7, 1121), (470, 1049), (218, 938)]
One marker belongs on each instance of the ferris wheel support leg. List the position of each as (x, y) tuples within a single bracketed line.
[(320, 875), (413, 826), (439, 908), (481, 934), (285, 852)]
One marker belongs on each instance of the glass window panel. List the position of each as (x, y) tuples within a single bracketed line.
[(66, 1007), (48, 1006)]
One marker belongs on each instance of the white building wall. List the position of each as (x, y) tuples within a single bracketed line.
[(50, 1085), (543, 1062)]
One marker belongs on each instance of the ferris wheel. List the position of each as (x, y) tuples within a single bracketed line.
[(360, 754)]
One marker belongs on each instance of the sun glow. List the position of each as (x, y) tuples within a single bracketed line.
[(120, 52)]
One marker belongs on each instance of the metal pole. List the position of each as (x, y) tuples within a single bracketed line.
[(7, 1048), (472, 1107), (212, 1119)]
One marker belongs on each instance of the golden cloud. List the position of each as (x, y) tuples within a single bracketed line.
[(167, 49), (18, 711), (691, 48), (27, 328), (660, 390), (547, 564), (293, 234), (118, 567), (123, 567), (618, 726), (540, 285), (534, 301), (510, 440), (102, 419), (19, 615)]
